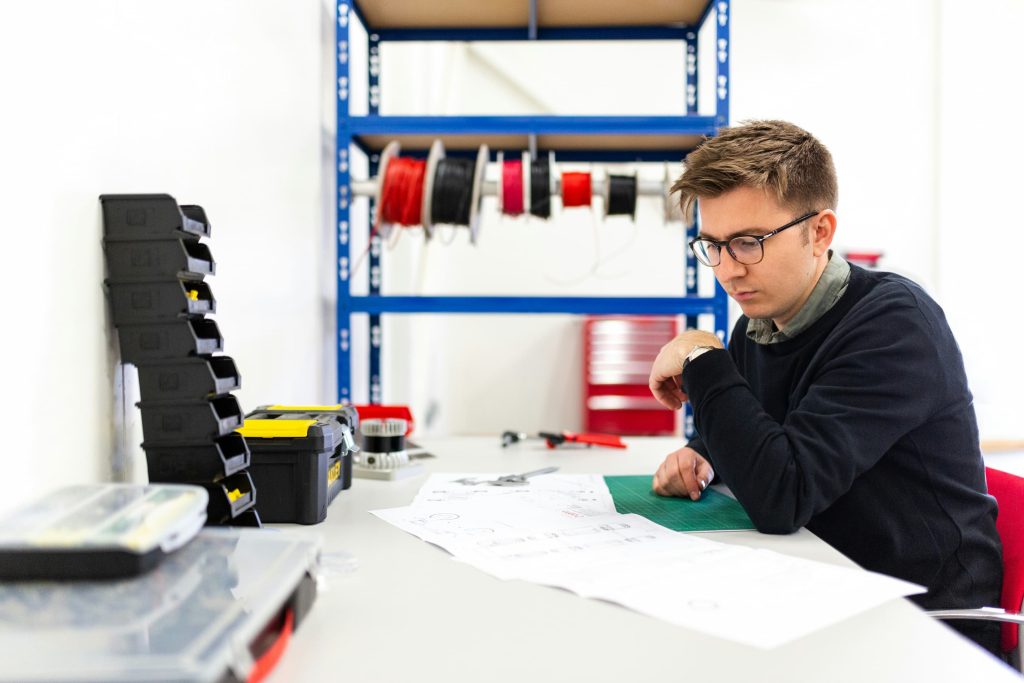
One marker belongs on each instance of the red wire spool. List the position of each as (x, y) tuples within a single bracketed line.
[(576, 189), (512, 187), (401, 198)]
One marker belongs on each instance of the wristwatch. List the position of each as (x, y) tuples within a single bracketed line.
[(694, 353)]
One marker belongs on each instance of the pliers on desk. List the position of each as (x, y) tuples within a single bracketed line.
[(557, 439)]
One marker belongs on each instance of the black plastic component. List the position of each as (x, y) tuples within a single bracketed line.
[(302, 598), (149, 260), (169, 340), (295, 485), (184, 422), (98, 531), (229, 498), (144, 302), (151, 217), (199, 462), (250, 517), (383, 444), (188, 379), (62, 565), (299, 477), (343, 415)]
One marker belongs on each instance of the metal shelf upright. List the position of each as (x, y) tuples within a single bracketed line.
[(577, 138)]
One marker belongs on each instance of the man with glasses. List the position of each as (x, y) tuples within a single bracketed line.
[(841, 404)]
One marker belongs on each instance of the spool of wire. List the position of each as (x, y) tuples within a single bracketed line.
[(383, 443), (456, 188), (401, 198), (433, 157), (576, 189), (540, 187), (483, 155), (390, 151), (453, 191), (510, 199), (620, 196), (671, 209)]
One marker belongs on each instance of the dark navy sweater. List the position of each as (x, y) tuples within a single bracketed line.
[(862, 429)]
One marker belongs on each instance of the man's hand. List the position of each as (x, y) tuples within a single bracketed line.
[(668, 366), (684, 473)]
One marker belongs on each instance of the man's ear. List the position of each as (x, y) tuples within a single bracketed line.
[(823, 231)]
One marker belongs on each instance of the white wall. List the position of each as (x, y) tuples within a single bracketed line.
[(222, 104), (978, 191), (216, 103), (905, 94)]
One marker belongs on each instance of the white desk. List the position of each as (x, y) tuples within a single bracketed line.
[(411, 613)]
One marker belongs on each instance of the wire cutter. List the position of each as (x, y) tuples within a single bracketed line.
[(557, 439)]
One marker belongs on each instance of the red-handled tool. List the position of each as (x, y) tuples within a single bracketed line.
[(557, 439)]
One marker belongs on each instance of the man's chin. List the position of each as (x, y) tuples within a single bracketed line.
[(753, 311)]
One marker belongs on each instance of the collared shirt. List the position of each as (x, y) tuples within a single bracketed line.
[(830, 288)]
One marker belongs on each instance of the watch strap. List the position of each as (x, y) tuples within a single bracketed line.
[(694, 353)]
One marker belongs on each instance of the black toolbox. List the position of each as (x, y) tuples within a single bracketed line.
[(207, 461), (186, 379), (344, 413), (178, 338), (301, 459), (149, 302), (151, 217), (178, 422), (149, 260)]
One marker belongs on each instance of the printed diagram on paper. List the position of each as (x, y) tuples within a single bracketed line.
[(563, 531), (574, 495)]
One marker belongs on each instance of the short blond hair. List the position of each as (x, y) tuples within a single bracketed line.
[(784, 160)]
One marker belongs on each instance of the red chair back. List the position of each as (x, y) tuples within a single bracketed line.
[(1008, 490)]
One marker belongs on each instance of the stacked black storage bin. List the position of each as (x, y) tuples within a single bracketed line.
[(156, 267)]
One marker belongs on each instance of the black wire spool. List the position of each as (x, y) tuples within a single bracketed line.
[(452, 191), (621, 195), (540, 187)]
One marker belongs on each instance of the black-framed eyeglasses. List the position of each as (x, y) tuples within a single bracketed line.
[(745, 249)]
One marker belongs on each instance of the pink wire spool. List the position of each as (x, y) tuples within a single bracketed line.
[(512, 187)]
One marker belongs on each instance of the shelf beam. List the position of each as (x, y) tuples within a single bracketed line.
[(532, 125), (652, 305), (485, 34)]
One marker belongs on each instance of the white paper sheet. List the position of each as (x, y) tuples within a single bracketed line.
[(575, 495), (560, 534)]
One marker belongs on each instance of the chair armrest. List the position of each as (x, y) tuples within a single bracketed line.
[(982, 613)]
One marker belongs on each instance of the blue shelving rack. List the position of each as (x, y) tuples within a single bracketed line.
[(636, 138)]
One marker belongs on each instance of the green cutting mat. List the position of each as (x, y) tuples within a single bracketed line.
[(713, 512)]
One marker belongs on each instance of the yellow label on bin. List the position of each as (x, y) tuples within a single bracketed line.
[(333, 473), (269, 429), (314, 409)]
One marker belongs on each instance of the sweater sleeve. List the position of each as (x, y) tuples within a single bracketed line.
[(696, 443), (880, 377)]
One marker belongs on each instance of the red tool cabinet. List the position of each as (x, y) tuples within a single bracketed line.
[(617, 357)]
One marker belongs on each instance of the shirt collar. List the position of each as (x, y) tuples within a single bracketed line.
[(829, 289)]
